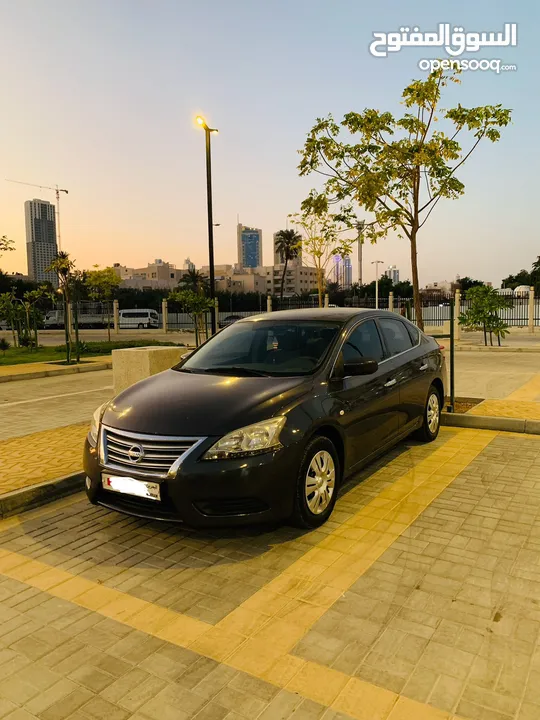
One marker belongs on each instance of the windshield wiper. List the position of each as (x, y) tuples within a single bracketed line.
[(235, 369)]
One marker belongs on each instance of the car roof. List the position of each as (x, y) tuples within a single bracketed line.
[(341, 315)]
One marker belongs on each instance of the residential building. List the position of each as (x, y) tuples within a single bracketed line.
[(279, 259), (188, 265), (41, 246), (242, 282), (392, 272), (299, 279), (158, 274), (249, 242)]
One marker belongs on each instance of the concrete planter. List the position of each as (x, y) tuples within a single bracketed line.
[(133, 364)]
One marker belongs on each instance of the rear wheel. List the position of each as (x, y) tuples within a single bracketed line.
[(432, 417), (317, 483), (140, 326)]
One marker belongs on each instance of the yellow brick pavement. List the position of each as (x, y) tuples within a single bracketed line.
[(41, 456), (259, 635), (520, 409)]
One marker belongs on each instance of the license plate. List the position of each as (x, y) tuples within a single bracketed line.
[(131, 486)]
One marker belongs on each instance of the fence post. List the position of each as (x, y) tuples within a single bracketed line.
[(268, 303), (457, 311), (326, 300), (216, 310), (165, 314), (531, 310), (391, 302), (116, 317)]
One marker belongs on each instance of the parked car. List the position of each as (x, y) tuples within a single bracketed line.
[(130, 319), (229, 320), (265, 420)]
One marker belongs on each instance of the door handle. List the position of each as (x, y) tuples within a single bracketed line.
[(424, 367), (390, 383)]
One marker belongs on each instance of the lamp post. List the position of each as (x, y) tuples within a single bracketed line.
[(377, 263), (208, 130)]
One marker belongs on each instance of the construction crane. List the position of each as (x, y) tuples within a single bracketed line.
[(57, 190)]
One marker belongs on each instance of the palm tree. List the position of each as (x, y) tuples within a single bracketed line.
[(194, 280), (287, 244)]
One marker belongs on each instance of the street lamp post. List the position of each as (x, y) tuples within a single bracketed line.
[(377, 263), (208, 130)]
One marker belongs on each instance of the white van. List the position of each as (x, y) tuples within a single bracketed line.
[(133, 319)]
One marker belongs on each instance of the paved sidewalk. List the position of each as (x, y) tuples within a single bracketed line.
[(418, 601)]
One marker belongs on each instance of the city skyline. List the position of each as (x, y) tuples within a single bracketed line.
[(128, 147)]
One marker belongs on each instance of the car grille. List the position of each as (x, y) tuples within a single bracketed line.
[(230, 506), (151, 455)]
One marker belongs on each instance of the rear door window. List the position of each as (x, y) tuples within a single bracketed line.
[(396, 336)]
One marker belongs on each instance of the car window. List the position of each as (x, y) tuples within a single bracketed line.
[(273, 348), (396, 336), (364, 341)]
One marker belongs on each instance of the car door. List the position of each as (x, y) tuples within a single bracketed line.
[(369, 403), (407, 355)]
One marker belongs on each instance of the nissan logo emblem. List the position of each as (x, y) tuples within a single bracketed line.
[(135, 454)]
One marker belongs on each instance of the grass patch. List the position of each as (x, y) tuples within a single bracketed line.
[(18, 356)]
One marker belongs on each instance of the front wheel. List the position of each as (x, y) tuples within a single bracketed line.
[(140, 326), (317, 483), (432, 417)]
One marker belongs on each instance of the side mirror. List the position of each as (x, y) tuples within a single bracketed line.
[(362, 366)]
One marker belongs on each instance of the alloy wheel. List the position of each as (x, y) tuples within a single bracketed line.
[(320, 482), (433, 413)]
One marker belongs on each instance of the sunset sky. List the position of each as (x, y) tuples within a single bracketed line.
[(100, 96)]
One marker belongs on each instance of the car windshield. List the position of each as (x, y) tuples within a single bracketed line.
[(264, 348)]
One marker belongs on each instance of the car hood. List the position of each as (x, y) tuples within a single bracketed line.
[(183, 404)]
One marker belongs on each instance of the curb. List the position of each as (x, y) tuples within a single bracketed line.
[(35, 495), (93, 367), (502, 424), (505, 349)]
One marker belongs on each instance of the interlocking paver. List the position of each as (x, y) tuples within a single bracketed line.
[(419, 598)]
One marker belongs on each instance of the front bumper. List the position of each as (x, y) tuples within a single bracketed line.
[(208, 493)]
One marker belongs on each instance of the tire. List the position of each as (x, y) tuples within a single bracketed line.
[(431, 424), (320, 452), (140, 326)]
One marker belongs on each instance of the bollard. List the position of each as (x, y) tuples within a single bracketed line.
[(326, 300), (531, 310), (268, 303), (391, 302)]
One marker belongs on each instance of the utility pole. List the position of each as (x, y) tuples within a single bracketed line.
[(57, 191), (377, 263), (360, 227)]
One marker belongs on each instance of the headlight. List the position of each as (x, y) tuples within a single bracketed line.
[(96, 419), (250, 440)]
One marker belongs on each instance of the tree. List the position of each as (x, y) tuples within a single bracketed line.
[(483, 312), (6, 244), (287, 244), (102, 285), (320, 240), (523, 277), (33, 298), (195, 305), (399, 168), (194, 280), (63, 266), (4, 345), (465, 283), (8, 312)]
